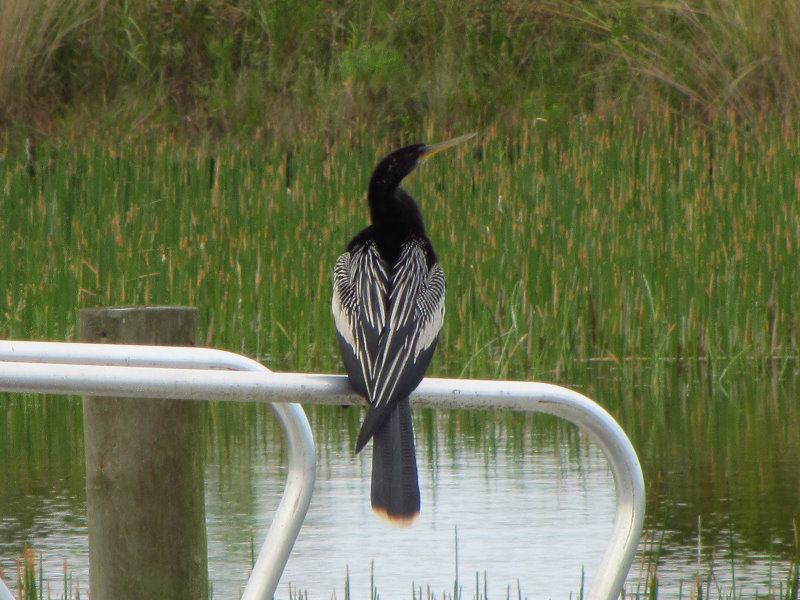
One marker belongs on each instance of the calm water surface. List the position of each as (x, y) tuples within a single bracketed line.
[(535, 521), (531, 499)]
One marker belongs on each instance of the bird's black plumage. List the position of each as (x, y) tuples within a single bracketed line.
[(388, 307)]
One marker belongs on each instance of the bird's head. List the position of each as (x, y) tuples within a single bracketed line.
[(395, 166)]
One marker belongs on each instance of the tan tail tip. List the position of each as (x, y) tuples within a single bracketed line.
[(395, 520)]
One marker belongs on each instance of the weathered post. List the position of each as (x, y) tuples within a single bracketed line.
[(144, 472)]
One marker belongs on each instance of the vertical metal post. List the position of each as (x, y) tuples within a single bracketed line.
[(144, 473)]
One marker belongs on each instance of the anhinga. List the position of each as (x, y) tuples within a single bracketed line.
[(388, 306)]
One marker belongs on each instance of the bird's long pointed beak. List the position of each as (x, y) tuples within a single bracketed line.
[(436, 148)]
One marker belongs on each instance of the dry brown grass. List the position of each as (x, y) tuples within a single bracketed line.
[(216, 68), (31, 35), (713, 57)]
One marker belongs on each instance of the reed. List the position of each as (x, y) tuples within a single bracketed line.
[(619, 240), (31, 585)]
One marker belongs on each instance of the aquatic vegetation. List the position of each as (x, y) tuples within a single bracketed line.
[(609, 240)]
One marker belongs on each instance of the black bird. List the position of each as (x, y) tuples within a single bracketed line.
[(388, 306)]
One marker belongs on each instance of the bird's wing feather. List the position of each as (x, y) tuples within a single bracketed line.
[(360, 283), (430, 306), (415, 314), (387, 321)]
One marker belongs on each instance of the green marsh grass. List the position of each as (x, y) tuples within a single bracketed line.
[(608, 240), (32, 585)]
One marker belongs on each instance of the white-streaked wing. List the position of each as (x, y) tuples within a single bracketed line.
[(371, 281), (360, 281), (415, 314), (430, 307), (344, 301)]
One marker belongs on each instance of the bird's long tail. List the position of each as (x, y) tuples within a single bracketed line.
[(395, 488)]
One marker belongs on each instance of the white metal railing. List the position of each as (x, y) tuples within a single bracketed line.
[(185, 373), (73, 367)]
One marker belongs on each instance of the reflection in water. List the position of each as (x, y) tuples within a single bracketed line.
[(532, 501), (534, 522)]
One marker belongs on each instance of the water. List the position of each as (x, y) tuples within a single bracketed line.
[(535, 522), (531, 499)]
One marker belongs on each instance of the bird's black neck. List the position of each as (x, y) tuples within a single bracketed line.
[(396, 218), (395, 221), (389, 204), (396, 211)]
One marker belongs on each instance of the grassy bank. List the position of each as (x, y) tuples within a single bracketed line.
[(278, 70), (610, 240)]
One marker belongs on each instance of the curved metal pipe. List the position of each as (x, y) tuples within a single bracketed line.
[(301, 455), (333, 389), (5, 593)]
